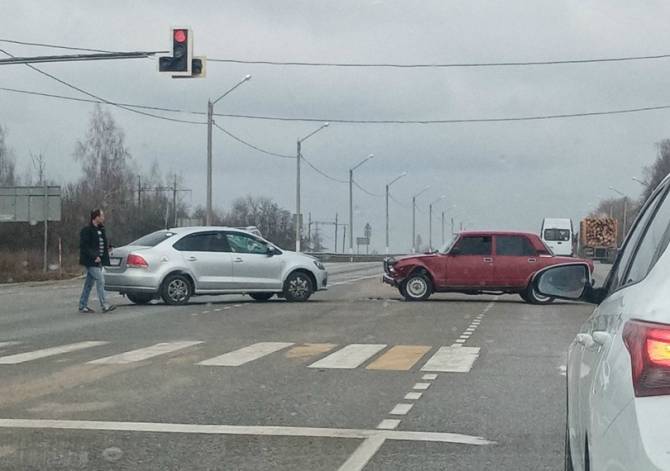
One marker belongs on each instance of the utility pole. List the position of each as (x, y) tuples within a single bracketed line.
[(430, 222), (298, 225), (351, 214), (139, 192), (452, 226), (335, 240), (210, 122), (414, 196), (387, 208), (174, 200), (309, 227), (442, 228)]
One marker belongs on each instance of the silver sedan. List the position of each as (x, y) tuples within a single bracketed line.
[(179, 263)]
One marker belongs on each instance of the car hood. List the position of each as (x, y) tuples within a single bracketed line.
[(406, 258)]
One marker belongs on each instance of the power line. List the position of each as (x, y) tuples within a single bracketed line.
[(248, 144), (396, 201), (441, 65), (376, 195), (80, 90), (343, 121), (54, 46), (321, 172)]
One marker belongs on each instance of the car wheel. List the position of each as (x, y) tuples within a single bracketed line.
[(524, 297), (298, 287), (536, 298), (139, 298), (176, 289), (261, 296), (417, 287)]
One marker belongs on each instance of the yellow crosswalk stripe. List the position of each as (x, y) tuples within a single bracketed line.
[(399, 358), (308, 350)]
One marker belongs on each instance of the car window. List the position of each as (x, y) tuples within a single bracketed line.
[(243, 243), (474, 245), (616, 278), (203, 242), (153, 239), (557, 235), (652, 245), (515, 246)]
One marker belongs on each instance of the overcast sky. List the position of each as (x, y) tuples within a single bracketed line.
[(496, 175)]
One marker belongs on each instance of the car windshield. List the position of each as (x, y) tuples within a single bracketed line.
[(447, 247), (554, 235)]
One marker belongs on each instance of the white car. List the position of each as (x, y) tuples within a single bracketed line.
[(618, 369)]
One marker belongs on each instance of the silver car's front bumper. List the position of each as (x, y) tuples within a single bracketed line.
[(321, 280)]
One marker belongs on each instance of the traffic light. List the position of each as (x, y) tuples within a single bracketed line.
[(180, 63)]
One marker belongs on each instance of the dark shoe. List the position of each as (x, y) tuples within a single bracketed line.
[(109, 308), (87, 310)]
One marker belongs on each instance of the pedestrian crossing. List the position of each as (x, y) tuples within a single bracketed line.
[(322, 356)]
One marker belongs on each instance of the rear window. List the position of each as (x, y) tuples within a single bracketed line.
[(153, 239), (557, 235)]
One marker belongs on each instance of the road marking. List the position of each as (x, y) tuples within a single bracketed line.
[(470, 329), (205, 312), (429, 377), (309, 350), (349, 357), (352, 280), (388, 424), (464, 337), (453, 360), (460, 340), (8, 344), (237, 305), (421, 386), (246, 354), (226, 308), (47, 352), (401, 409), (218, 309), (144, 353), (399, 358), (261, 430), (363, 454), (413, 396)]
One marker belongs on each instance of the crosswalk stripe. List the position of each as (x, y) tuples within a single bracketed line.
[(452, 359), (143, 353), (246, 354), (47, 352), (309, 350), (349, 357), (399, 358)]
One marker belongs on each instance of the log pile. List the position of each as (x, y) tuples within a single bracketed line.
[(598, 232)]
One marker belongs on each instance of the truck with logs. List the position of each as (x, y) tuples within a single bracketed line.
[(598, 238)]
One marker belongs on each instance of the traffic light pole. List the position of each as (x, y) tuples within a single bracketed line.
[(210, 112)]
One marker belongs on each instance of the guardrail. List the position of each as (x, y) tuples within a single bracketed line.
[(356, 258)]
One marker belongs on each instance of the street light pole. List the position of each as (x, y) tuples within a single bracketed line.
[(387, 208), (298, 157), (210, 122), (351, 203), (625, 209), (414, 217), (430, 222), (442, 228)]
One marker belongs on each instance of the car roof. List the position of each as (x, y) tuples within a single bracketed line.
[(507, 233), (191, 229)]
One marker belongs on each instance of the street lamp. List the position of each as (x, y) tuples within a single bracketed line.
[(430, 221), (351, 202), (210, 121), (298, 222), (387, 207), (414, 196), (623, 230)]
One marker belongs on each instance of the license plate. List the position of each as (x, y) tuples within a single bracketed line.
[(115, 261)]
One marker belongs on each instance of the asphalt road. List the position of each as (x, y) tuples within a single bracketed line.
[(354, 379)]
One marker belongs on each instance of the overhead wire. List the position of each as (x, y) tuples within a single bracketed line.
[(357, 185), (321, 172), (248, 144)]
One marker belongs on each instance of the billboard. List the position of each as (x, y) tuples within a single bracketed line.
[(29, 203)]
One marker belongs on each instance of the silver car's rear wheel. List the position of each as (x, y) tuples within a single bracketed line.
[(176, 289)]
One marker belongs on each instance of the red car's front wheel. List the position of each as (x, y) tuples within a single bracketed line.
[(417, 287)]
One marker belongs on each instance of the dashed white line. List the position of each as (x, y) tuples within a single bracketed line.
[(429, 377), (388, 424), (401, 409), (413, 396), (421, 386)]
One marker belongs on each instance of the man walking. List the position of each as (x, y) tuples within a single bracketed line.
[(93, 254)]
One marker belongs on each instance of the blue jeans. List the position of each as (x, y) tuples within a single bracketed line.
[(93, 275)]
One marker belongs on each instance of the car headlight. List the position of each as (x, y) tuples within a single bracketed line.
[(319, 265)]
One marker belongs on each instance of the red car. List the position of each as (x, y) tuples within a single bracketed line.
[(476, 263)]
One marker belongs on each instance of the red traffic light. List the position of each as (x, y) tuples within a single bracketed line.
[(180, 35)]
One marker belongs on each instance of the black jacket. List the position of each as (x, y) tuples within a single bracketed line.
[(89, 246)]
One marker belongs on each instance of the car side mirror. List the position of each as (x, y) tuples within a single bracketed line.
[(272, 251), (570, 281)]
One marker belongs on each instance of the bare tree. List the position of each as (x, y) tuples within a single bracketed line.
[(7, 163), (656, 172)]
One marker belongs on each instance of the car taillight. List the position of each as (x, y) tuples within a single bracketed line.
[(649, 347), (136, 261)]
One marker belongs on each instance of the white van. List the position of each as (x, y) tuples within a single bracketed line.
[(558, 234)]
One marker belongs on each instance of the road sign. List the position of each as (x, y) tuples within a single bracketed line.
[(28, 203), (362, 241), (367, 231)]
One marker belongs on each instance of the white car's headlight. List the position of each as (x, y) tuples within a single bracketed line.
[(319, 265)]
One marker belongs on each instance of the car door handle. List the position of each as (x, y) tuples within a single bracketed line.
[(532, 260), (488, 259), (191, 259), (238, 260)]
